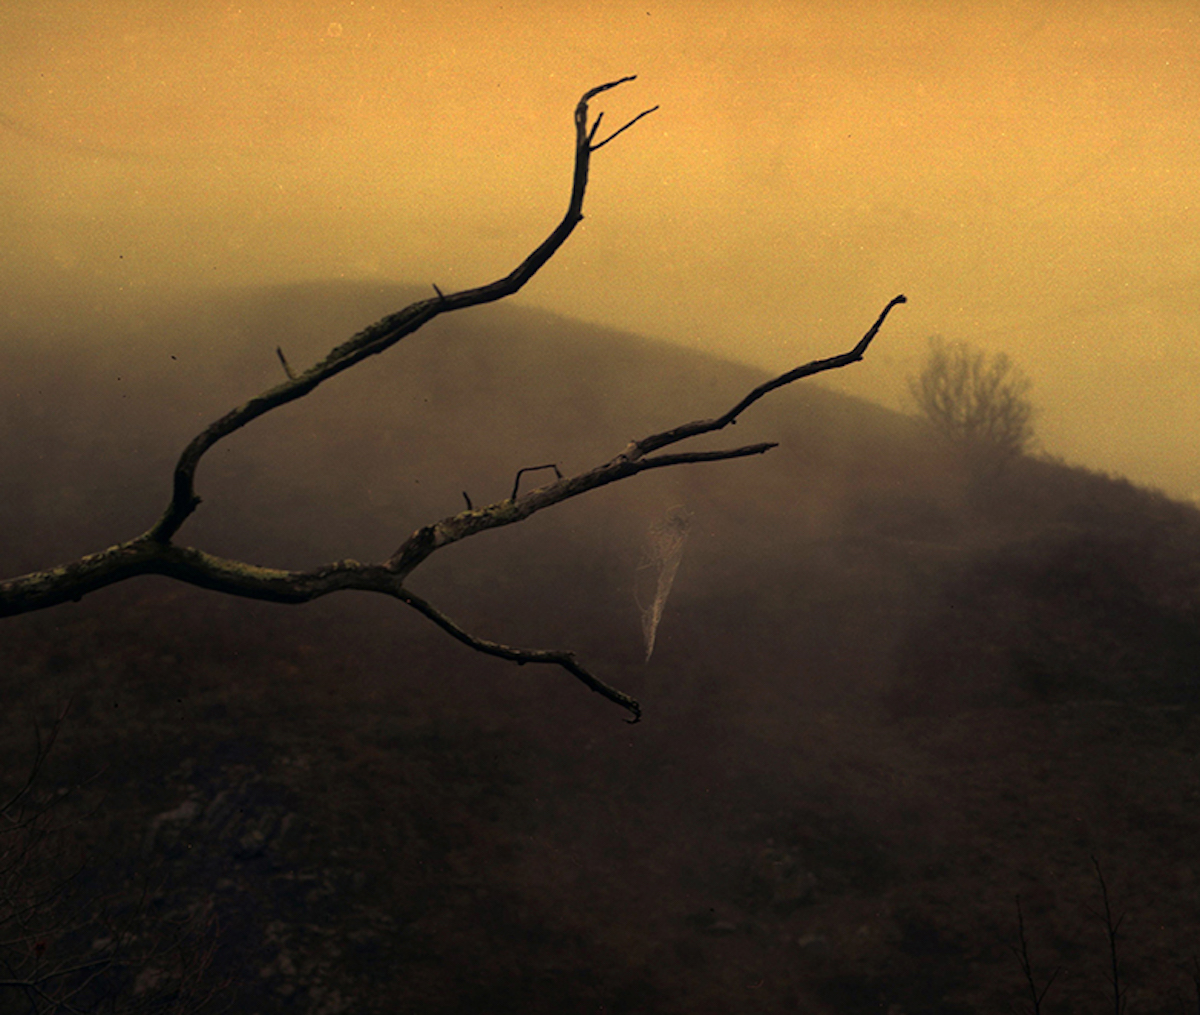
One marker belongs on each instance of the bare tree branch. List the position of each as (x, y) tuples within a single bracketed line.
[(702, 426), (616, 133), (521, 656), (628, 463), (383, 334), (153, 552)]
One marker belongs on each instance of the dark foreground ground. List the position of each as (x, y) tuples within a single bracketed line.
[(887, 698)]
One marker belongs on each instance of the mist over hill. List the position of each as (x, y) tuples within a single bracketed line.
[(887, 693)]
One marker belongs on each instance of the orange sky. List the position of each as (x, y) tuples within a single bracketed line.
[(1027, 173)]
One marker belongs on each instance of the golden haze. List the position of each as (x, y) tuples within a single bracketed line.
[(1026, 173)]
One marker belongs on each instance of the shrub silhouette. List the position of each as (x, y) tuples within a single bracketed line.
[(977, 401)]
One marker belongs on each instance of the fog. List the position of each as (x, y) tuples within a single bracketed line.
[(895, 684), (1026, 173)]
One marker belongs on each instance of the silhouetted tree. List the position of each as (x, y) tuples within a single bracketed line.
[(978, 401), (156, 552)]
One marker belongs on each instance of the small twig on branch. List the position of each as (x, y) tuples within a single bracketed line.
[(616, 133), (466, 497), (531, 468), (283, 359)]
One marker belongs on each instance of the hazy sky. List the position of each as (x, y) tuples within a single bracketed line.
[(1027, 173)]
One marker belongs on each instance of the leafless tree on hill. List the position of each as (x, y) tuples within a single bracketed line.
[(156, 552), (979, 402)]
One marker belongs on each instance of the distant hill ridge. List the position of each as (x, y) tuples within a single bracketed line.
[(861, 516)]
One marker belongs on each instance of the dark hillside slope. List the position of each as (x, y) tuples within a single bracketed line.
[(885, 697)]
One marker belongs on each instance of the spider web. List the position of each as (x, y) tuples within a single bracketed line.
[(660, 559)]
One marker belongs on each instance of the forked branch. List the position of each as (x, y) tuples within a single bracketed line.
[(154, 552), (385, 333), (634, 459)]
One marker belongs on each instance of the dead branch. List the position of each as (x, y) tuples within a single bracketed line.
[(153, 552), (385, 333)]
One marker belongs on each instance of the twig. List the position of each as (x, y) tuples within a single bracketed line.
[(283, 359), (531, 468), (521, 656), (1111, 926), (1022, 953), (702, 426), (617, 133)]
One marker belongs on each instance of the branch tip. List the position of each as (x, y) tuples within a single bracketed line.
[(617, 133), (521, 656), (593, 92)]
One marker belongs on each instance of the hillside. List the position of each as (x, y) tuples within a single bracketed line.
[(885, 697)]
